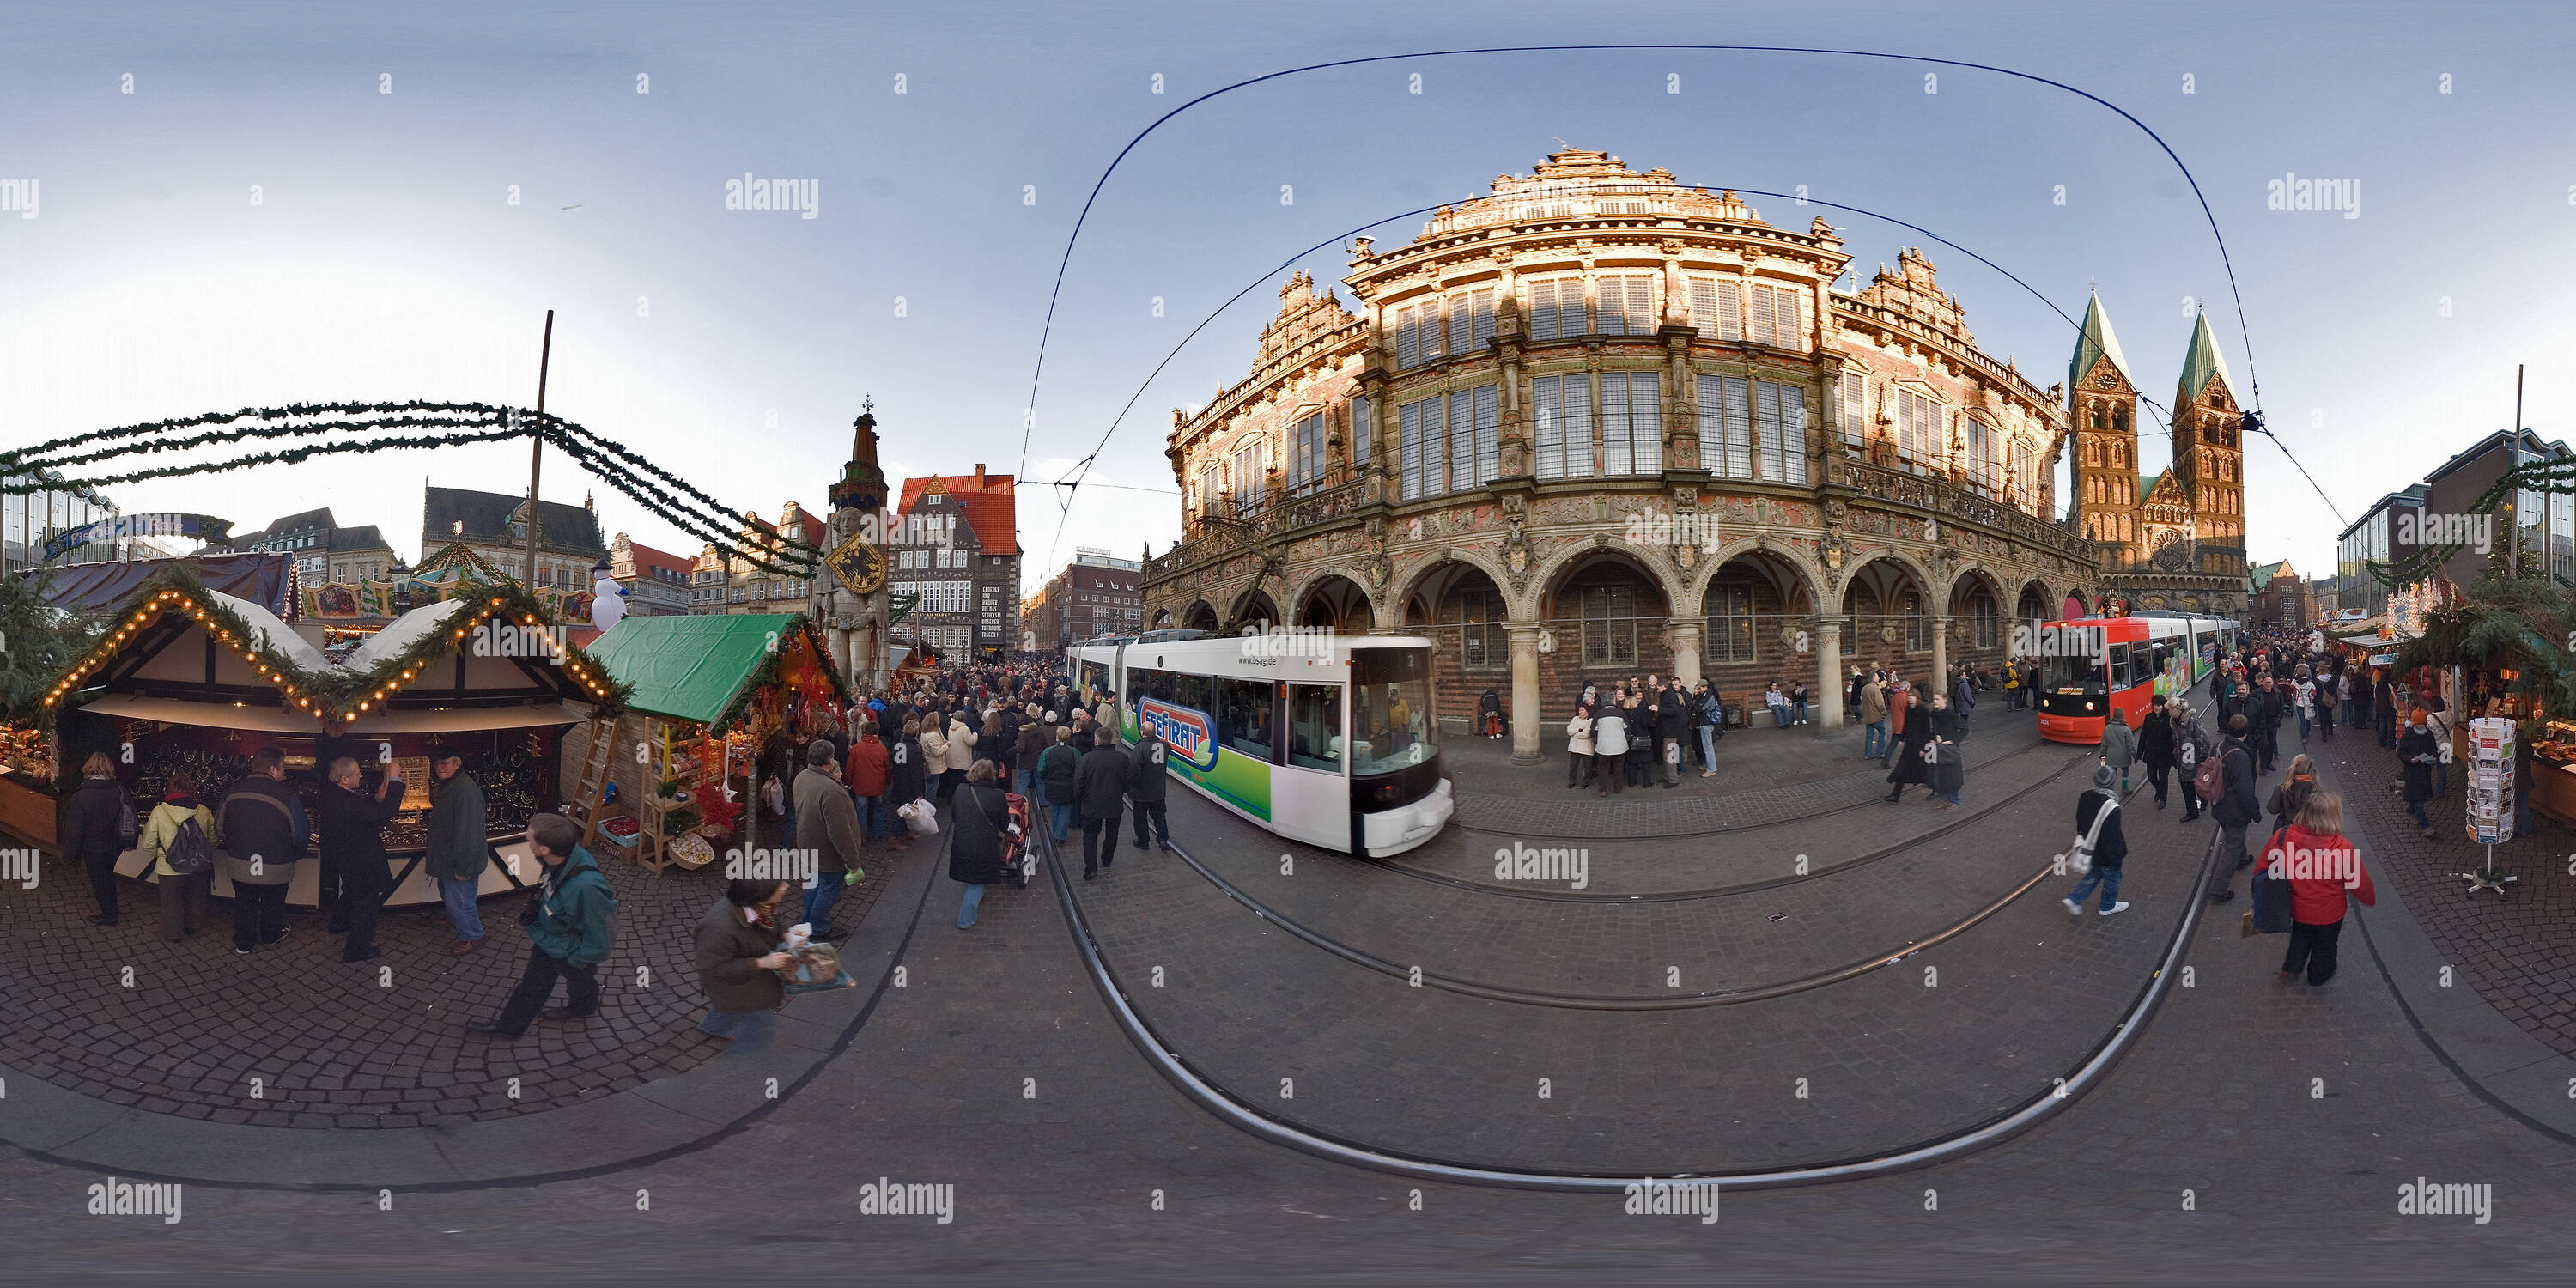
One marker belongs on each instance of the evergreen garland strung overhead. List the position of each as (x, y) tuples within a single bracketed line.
[(693, 511)]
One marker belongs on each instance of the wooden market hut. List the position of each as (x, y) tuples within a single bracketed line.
[(187, 678), (704, 692)]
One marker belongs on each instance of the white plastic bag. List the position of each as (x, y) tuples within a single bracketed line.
[(921, 817)]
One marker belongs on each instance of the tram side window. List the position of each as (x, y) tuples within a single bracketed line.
[(1095, 676), (2120, 677), (1315, 726), (1144, 682), (1195, 692), (1244, 720)]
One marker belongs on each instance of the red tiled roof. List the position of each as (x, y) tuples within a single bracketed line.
[(648, 557), (992, 510)]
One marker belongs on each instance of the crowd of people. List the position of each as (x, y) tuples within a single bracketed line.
[(876, 772)]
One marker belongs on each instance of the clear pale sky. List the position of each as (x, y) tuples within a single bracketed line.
[(383, 260)]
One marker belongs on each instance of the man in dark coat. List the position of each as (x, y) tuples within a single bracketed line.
[(1907, 754), (2110, 847), (2419, 752), (2156, 746), (91, 835), (353, 837), (264, 833), (1672, 728), (1145, 783), (2263, 721), (1099, 784), (2235, 807), (458, 847)]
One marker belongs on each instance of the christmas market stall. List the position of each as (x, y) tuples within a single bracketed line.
[(191, 679), (674, 781)]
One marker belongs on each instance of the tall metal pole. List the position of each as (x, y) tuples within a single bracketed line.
[(537, 450), (2513, 535)]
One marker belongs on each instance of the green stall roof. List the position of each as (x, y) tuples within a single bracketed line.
[(689, 667)]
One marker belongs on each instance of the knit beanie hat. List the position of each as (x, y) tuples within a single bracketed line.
[(2104, 777)]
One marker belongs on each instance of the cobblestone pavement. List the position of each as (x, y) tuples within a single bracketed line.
[(2205, 1156), (2259, 1132), (338, 1045), (2514, 952), (1942, 1041)]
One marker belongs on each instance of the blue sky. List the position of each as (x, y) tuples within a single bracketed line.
[(383, 260)]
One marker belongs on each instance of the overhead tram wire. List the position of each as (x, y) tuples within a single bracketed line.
[(1056, 294)]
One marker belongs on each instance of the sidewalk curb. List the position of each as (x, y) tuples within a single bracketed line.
[(2492, 1056)]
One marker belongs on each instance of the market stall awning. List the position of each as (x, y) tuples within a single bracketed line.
[(462, 719), (689, 667), (218, 715), (273, 633)]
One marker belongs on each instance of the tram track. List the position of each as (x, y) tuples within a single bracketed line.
[(1724, 891), (1600, 1002), (2047, 1099)]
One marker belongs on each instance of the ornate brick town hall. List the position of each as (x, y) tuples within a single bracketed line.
[(1599, 424)]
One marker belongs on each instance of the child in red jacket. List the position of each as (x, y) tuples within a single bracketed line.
[(2322, 867)]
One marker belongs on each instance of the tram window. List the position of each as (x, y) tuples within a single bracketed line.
[(1243, 720), (2120, 677), (1145, 683), (1194, 692), (1315, 726)]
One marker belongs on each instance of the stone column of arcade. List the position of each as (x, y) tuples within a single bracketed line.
[(1684, 633), (1829, 678), (1525, 717), (1940, 656)]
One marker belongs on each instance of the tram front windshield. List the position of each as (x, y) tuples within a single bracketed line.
[(2073, 686), (1392, 724)]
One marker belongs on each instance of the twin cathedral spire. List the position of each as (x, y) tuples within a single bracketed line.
[(2200, 497)]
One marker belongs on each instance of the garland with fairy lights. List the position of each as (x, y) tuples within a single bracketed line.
[(338, 694), (692, 510)]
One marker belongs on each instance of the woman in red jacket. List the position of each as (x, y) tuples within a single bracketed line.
[(2321, 867)]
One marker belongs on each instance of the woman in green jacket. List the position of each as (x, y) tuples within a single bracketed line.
[(2119, 745)]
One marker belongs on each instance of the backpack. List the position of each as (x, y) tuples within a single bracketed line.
[(128, 828), (188, 852), (2210, 780)]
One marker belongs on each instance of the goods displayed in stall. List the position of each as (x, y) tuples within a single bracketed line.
[(705, 695), (29, 799)]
